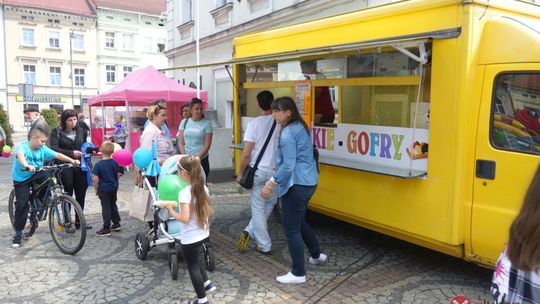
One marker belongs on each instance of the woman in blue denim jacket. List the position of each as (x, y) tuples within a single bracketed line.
[(296, 176)]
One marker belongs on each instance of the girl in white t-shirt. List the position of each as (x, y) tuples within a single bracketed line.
[(195, 212)]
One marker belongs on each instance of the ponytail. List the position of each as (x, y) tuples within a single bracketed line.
[(200, 201)]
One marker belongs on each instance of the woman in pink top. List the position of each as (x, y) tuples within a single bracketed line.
[(157, 115)]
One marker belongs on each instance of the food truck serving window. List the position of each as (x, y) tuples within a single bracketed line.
[(369, 108), (516, 112)]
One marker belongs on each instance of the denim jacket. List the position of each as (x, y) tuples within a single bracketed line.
[(295, 164)]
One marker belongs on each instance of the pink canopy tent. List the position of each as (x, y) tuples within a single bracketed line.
[(139, 89)]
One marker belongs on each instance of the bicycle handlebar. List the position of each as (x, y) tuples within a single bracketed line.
[(53, 167), (56, 167)]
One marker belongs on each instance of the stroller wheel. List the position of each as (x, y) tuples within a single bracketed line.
[(208, 256), (142, 245), (173, 265)]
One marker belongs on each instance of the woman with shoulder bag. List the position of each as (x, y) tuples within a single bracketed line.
[(296, 177)]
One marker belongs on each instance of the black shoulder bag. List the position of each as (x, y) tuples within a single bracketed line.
[(249, 173)]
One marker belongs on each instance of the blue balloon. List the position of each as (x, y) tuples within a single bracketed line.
[(142, 158)]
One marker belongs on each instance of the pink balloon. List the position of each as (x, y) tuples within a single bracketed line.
[(123, 157), (6, 154)]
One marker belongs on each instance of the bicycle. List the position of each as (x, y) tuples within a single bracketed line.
[(48, 198)]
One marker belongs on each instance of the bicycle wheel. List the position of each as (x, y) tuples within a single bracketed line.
[(11, 207), (62, 224)]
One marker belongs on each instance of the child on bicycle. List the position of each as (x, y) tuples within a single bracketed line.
[(105, 178), (195, 211), (30, 155)]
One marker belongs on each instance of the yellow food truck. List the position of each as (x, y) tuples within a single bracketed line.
[(425, 114)]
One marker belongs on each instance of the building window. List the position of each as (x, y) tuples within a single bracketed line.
[(220, 3), (109, 40), (54, 40), (222, 13), (147, 44), (187, 10), (110, 70), (78, 42), (55, 75), (128, 42), (258, 5), (161, 45), (29, 72), (79, 77), (127, 70), (27, 37)]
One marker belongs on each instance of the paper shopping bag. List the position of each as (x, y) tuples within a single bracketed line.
[(141, 204)]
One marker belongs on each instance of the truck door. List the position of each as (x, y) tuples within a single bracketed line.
[(507, 149)]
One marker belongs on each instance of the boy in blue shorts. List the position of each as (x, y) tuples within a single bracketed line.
[(105, 178), (30, 155)]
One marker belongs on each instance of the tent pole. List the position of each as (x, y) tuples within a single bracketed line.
[(197, 50), (128, 118), (102, 122)]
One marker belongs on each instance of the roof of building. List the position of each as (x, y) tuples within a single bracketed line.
[(152, 7), (77, 7)]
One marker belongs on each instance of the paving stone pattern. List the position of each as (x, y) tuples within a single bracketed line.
[(363, 266)]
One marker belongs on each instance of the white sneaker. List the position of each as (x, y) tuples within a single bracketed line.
[(320, 260), (290, 278)]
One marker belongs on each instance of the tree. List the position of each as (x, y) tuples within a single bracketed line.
[(4, 122), (51, 117)]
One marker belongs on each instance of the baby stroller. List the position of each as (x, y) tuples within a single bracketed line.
[(166, 230)]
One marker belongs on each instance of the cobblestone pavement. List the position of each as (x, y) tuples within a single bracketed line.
[(363, 266)]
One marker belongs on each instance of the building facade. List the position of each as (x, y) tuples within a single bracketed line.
[(51, 47), (130, 34), (3, 71), (222, 20)]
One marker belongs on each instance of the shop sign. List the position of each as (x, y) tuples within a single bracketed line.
[(37, 98), (390, 147)]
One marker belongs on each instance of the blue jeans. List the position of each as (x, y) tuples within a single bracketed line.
[(293, 212), (260, 211)]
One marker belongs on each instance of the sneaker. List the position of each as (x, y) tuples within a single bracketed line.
[(210, 288), (116, 227), (269, 252), (320, 260), (196, 301), (103, 232), (244, 241), (290, 278), (78, 226), (17, 241), (68, 228)]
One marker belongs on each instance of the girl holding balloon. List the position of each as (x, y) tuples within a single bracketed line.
[(195, 211)]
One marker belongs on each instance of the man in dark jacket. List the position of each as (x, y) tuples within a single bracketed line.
[(83, 125)]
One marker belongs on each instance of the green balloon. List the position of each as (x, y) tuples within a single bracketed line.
[(169, 186)]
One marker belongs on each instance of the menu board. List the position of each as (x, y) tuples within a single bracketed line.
[(303, 99)]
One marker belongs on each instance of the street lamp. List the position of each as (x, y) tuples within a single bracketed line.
[(71, 69)]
